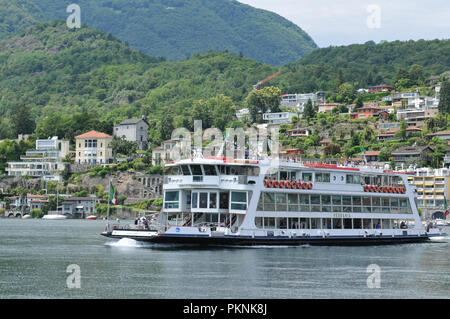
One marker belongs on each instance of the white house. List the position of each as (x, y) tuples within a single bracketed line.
[(133, 130), (44, 162)]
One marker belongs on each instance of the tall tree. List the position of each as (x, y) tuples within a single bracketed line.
[(308, 110), (22, 120), (444, 102), (262, 101)]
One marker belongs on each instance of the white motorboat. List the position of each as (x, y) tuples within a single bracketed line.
[(54, 217)]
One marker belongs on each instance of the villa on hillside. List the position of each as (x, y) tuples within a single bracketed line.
[(93, 148), (133, 130), (45, 161)]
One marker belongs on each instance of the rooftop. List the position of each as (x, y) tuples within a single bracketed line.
[(132, 121), (93, 134)]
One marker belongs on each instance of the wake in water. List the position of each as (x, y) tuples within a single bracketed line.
[(126, 242)]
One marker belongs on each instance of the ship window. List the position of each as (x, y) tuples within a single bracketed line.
[(283, 175), (282, 223), (353, 179), (171, 199), (194, 200), (212, 200), (203, 200), (376, 201), (357, 223), (337, 200), (172, 196), (304, 223), (347, 223), (337, 223), (209, 170), (304, 199), (347, 200), (281, 202), (315, 223), (394, 202), (315, 199), (185, 170), (196, 170), (367, 223), (269, 201), (357, 200), (293, 223), (326, 200), (323, 177), (259, 222), (224, 199), (292, 198), (269, 222), (239, 200), (307, 177)]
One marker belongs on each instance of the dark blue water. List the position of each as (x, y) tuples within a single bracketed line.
[(35, 254)]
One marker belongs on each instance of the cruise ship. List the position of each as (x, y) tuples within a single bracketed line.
[(223, 201)]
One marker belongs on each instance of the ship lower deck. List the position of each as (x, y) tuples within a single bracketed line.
[(239, 240)]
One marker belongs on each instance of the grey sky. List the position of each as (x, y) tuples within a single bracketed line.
[(343, 22)]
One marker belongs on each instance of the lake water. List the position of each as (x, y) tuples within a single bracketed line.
[(35, 254)]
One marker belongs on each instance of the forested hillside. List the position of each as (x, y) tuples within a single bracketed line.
[(74, 80), (175, 29), (59, 72), (364, 64)]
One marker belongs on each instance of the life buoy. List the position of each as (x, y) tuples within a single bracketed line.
[(282, 183), (298, 185), (293, 184), (370, 188), (304, 185), (310, 185), (276, 183), (379, 189), (265, 183), (288, 184), (366, 188), (385, 189), (403, 190), (269, 183)]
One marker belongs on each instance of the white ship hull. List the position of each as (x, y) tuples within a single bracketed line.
[(220, 201)]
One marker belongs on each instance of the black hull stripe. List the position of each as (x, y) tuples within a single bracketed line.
[(278, 241)]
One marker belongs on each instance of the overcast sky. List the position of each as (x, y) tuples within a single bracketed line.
[(343, 22)]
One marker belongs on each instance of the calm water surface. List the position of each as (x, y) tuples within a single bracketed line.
[(35, 254)]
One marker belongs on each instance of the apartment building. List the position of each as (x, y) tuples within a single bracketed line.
[(45, 161), (432, 186)]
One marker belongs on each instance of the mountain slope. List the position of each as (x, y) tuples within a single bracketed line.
[(56, 70), (176, 29), (363, 64)]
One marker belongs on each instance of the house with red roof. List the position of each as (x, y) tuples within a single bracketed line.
[(93, 148)]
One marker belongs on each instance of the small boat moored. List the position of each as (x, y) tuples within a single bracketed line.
[(54, 217)]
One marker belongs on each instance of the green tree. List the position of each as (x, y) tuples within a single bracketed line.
[(22, 120), (308, 111), (223, 111), (345, 93), (262, 101), (402, 131), (444, 102)]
